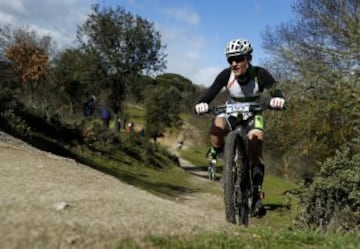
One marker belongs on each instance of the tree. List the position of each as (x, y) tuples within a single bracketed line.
[(161, 111), (321, 52), (182, 84), (123, 46), (324, 38), (28, 53), (73, 74)]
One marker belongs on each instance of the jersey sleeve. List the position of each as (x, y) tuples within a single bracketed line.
[(267, 81), (219, 82)]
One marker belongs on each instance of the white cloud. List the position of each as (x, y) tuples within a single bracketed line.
[(188, 63), (15, 6), (206, 76), (59, 19), (185, 55), (6, 18), (184, 48), (184, 15)]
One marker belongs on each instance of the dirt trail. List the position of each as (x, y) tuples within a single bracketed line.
[(47, 201)]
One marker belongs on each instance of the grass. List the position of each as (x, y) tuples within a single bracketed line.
[(282, 208), (249, 239), (168, 181), (136, 114), (275, 230), (196, 155)]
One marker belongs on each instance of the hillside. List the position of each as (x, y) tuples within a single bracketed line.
[(54, 202), (48, 201)]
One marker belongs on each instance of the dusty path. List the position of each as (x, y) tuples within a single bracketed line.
[(48, 201)]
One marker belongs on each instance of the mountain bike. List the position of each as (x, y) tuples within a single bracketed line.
[(212, 169), (240, 198)]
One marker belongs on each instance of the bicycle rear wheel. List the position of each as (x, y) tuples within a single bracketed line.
[(236, 185)]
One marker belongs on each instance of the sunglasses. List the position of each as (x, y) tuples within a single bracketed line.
[(237, 59)]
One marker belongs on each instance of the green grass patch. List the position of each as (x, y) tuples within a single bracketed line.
[(168, 182), (276, 187), (249, 239), (136, 114), (196, 155), (282, 207)]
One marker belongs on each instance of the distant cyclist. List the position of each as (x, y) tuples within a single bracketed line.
[(243, 83), (179, 144), (211, 155)]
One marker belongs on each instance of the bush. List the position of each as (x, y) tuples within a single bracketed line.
[(332, 201), (16, 123)]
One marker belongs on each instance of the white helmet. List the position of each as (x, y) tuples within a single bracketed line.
[(238, 47)]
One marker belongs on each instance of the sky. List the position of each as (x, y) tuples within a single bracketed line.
[(195, 32)]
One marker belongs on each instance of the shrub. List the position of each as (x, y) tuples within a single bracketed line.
[(88, 135), (16, 123), (332, 201)]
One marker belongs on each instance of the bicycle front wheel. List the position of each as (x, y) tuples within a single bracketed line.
[(234, 174)]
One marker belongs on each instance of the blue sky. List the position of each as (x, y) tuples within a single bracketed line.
[(194, 31)]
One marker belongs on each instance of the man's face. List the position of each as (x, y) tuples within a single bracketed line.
[(239, 64)]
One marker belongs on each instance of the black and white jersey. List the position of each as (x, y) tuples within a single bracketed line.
[(242, 89)]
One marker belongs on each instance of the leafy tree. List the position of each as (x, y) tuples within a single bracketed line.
[(319, 56), (69, 65), (74, 73), (9, 86), (182, 84), (122, 47), (162, 111), (28, 53), (321, 50), (138, 90)]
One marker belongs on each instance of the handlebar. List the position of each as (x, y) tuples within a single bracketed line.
[(240, 107)]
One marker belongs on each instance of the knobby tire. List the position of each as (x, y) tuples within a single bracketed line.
[(235, 172)]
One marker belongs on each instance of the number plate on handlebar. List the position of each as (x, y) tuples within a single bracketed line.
[(237, 107)]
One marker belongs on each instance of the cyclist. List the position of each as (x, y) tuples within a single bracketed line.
[(243, 83), (211, 155), (179, 144)]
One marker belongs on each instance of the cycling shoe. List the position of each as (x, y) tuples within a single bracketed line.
[(258, 209)]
